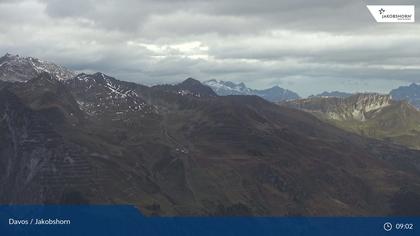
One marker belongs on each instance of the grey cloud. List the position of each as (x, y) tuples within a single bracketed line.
[(361, 49), (134, 16), (303, 45), (74, 8)]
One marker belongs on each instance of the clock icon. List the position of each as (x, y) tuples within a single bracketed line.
[(387, 226)]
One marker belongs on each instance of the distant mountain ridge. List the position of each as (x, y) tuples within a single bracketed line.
[(274, 94), (409, 93), (337, 94), (15, 68)]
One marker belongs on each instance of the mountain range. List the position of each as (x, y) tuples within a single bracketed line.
[(274, 94), (183, 150)]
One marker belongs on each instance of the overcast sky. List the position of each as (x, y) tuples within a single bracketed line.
[(308, 46)]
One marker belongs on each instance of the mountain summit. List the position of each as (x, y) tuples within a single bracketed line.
[(224, 88), (15, 68), (274, 94), (409, 93), (196, 87), (190, 87)]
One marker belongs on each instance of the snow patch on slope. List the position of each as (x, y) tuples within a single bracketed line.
[(15, 68)]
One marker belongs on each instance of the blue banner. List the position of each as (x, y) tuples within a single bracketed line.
[(127, 220)]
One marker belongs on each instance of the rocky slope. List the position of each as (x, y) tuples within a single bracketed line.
[(357, 107), (372, 115), (19, 69)]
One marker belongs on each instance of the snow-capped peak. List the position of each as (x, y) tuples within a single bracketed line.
[(15, 68), (274, 94), (222, 87)]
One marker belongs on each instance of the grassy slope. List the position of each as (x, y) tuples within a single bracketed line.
[(398, 122)]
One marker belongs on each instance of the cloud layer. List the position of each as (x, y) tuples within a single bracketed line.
[(306, 46)]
